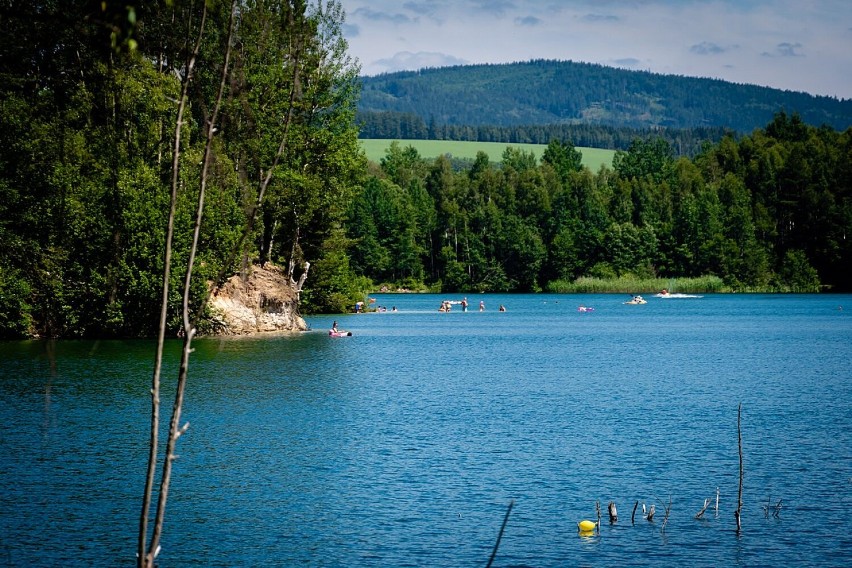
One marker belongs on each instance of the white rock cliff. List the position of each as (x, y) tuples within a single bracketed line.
[(263, 300)]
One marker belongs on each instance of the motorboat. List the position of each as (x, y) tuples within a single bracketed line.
[(667, 294)]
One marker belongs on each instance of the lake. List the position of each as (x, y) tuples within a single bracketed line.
[(404, 444)]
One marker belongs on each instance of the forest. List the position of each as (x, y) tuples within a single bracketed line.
[(770, 211), (94, 140), (107, 106), (551, 92)]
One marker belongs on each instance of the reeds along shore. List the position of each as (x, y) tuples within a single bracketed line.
[(633, 285)]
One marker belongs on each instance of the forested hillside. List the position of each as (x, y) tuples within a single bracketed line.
[(545, 92)]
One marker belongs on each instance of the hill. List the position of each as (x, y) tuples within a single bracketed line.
[(565, 92)]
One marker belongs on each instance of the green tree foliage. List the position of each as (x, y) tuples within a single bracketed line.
[(87, 116), (797, 274), (335, 288), (564, 158), (645, 159), (384, 224), (761, 213), (15, 311), (294, 124)]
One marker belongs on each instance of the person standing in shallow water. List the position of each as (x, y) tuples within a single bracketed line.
[(464, 304), (481, 306)]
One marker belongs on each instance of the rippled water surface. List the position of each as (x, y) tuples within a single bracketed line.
[(404, 444)]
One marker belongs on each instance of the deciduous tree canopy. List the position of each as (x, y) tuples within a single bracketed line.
[(771, 211), (87, 114)]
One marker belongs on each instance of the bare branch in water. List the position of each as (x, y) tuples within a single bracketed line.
[(700, 513), (776, 509), (666, 517)]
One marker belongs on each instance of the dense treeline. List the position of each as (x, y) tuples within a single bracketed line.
[(408, 126), (88, 110), (566, 92), (770, 211)]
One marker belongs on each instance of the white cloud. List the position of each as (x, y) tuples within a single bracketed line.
[(626, 62), (786, 49), (707, 48), (405, 61), (592, 18), (530, 21), (379, 16)]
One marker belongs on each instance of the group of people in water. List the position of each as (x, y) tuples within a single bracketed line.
[(447, 305), (361, 308)]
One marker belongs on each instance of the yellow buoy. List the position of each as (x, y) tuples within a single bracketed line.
[(586, 526)]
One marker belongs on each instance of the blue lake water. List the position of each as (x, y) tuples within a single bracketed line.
[(404, 444)]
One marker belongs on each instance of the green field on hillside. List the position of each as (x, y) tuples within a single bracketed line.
[(376, 150)]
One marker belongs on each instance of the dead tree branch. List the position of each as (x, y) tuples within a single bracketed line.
[(598, 510), (146, 559), (613, 512), (668, 509), (776, 509), (143, 558), (700, 513)]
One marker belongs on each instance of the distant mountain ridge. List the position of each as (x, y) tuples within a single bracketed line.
[(566, 92)]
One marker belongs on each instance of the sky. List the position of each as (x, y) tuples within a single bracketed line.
[(796, 45)]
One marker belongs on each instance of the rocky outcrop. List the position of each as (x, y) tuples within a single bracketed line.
[(263, 300)]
